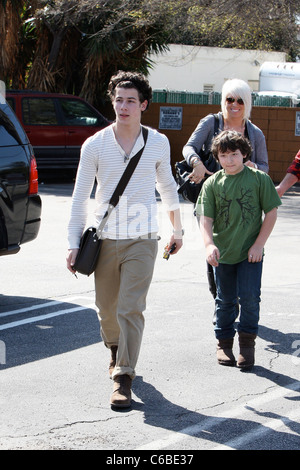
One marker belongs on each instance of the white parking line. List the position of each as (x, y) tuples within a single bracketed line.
[(46, 316), (40, 317), (259, 431), (175, 437), (28, 309), (45, 305)]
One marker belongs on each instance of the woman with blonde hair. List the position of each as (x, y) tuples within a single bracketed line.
[(236, 105)]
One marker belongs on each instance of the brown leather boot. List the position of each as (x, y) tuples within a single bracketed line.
[(121, 396), (246, 356), (225, 355), (113, 358)]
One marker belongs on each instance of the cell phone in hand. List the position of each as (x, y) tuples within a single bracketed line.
[(168, 251)]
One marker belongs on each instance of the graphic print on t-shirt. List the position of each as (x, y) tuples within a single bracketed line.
[(244, 203)]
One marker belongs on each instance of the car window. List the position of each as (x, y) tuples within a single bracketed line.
[(11, 103), (11, 132), (39, 111), (77, 113)]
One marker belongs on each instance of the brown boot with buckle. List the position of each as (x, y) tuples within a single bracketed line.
[(113, 359), (121, 396), (225, 355)]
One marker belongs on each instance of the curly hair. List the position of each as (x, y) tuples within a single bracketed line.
[(231, 141), (131, 80)]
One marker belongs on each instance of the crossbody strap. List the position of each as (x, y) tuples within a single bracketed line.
[(127, 173), (123, 183), (216, 124)]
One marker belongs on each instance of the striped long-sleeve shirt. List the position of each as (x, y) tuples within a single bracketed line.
[(136, 214)]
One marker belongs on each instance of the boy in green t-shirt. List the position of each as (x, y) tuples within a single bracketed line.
[(231, 207)]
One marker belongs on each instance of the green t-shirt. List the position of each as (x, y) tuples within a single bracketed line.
[(236, 204)]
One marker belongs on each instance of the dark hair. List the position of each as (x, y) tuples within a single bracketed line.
[(231, 140), (131, 80)]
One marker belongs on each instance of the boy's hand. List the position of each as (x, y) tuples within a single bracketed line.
[(212, 255), (255, 254)]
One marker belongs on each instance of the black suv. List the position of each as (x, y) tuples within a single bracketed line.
[(20, 204)]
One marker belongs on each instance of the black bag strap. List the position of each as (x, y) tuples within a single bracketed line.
[(206, 156), (128, 172), (216, 124), (123, 182)]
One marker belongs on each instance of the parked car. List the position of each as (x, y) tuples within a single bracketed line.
[(20, 204), (56, 125)]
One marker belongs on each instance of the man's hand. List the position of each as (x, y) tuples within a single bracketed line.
[(71, 257)]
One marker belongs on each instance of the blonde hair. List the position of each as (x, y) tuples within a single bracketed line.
[(237, 89)]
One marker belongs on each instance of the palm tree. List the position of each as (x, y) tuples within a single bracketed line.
[(10, 22), (76, 45), (80, 44), (17, 39)]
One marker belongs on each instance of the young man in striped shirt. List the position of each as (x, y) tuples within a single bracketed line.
[(125, 266)]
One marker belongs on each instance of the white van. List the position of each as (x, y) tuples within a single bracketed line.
[(280, 79)]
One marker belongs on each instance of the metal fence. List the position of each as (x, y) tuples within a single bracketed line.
[(185, 97)]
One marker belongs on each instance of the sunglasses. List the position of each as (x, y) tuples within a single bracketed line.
[(231, 100)]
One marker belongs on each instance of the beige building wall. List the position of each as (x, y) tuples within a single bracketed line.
[(199, 69)]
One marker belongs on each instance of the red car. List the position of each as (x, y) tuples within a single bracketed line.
[(56, 125)]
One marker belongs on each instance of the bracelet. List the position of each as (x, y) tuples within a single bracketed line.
[(179, 232), (196, 162)]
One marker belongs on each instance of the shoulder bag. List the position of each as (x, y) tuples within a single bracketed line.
[(91, 242), (187, 188)]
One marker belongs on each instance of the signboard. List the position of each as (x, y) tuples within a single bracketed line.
[(297, 124), (170, 117)]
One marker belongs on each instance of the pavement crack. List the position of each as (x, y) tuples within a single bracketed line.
[(92, 421)]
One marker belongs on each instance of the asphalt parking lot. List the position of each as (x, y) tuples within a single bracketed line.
[(55, 388)]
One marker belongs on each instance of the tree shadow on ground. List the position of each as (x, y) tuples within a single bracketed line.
[(162, 413)]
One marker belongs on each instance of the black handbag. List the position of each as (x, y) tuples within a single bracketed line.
[(88, 253), (91, 242), (187, 188)]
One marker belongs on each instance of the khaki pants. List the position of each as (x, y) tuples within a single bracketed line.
[(122, 280)]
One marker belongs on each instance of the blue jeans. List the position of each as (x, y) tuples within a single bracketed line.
[(235, 283)]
